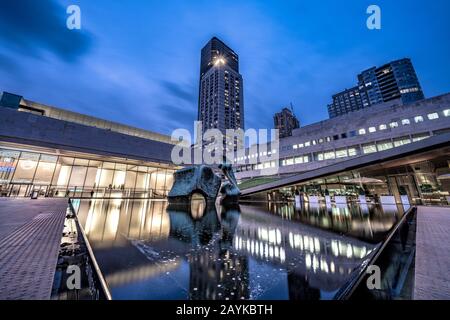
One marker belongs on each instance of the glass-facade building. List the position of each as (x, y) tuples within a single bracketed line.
[(57, 153), (394, 80), (22, 172)]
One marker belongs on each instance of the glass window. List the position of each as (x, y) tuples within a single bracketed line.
[(361, 131), (301, 145), (329, 155), (321, 140), (432, 116), (46, 167), (105, 178), (305, 159), (91, 177), (384, 145), (320, 156), (130, 179), (418, 137), (401, 141), (77, 176), (314, 142), (298, 160), (8, 163), (383, 127), (26, 167), (290, 161), (405, 122), (108, 165), (352, 152), (393, 124), (307, 143), (446, 113), (81, 162), (328, 139), (372, 129), (295, 146), (371, 148), (418, 119)]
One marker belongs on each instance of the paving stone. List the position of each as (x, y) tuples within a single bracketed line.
[(30, 235), (432, 271)]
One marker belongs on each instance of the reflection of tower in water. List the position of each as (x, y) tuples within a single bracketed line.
[(217, 272)]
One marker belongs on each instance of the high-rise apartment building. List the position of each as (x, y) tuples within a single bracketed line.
[(221, 103), (285, 121), (394, 80)]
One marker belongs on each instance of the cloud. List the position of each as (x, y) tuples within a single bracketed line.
[(34, 28), (182, 92)]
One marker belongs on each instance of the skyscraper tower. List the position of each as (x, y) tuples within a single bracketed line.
[(221, 103)]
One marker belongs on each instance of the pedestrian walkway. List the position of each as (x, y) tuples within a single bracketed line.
[(432, 274), (30, 236)]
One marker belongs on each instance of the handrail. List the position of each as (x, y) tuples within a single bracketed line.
[(346, 293), (98, 272)]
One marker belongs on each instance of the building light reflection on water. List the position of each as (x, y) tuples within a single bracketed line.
[(220, 253)]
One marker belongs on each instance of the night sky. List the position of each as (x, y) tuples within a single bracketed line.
[(137, 62)]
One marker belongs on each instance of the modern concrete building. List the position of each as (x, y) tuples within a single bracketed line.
[(59, 153), (382, 127), (221, 102), (285, 121), (394, 80)]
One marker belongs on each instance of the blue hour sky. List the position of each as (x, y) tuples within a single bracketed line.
[(137, 62)]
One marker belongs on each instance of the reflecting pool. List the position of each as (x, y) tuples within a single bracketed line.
[(148, 249)]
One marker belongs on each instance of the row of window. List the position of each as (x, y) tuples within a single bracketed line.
[(363, 131), (339, 153), (255, 155)]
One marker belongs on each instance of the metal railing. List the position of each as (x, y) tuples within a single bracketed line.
[(356, 282), (105, 293)]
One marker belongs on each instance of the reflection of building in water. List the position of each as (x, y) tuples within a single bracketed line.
[(218, 274), (323, 258), (135, 219)]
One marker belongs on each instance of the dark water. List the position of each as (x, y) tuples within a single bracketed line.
[(148, 249)]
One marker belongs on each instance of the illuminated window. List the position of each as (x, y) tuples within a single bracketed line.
[(361, 131), (405, 122), (372, 129), (401, 141), (295, 146), (419, 137), (393, 124), (418, 119), (341, 153), (301, 145), (352, 152), (371, 148), (383, 127), (329, 155), (298, 160), (314, 142), (384, 145), (307, 143), (289, 161), (432, 116), (320, 156), (446, 113)]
